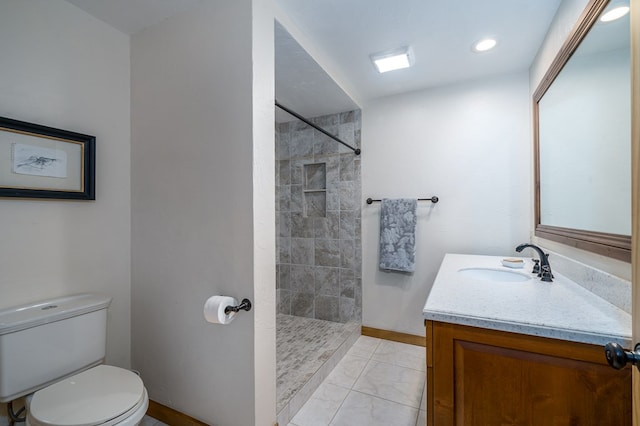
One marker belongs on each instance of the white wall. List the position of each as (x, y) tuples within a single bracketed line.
[(467, 144), (203, 210), (564, 21), (65, 69)]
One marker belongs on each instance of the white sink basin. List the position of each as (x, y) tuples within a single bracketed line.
[(489, 274)]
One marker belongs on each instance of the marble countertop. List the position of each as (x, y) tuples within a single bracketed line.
[(560, 310)]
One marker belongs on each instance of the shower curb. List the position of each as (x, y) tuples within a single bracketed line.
[(302, 396)]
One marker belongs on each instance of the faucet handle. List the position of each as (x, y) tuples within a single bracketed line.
[(536, 266), (546, 274)]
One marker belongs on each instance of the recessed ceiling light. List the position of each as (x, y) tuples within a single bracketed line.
[(393, 59), (485, 44), (615, 13)]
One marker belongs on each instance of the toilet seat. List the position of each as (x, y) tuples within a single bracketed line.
[(103, 395)]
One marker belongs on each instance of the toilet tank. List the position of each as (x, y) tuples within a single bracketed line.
[(43, 342)]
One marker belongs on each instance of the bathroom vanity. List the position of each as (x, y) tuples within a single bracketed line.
[(504, 348)]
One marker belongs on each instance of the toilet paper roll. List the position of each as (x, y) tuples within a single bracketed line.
[(214, 309)]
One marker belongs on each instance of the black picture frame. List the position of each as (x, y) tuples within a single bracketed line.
[(44, 162)]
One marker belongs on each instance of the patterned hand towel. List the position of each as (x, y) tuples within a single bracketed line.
[(398, 235)]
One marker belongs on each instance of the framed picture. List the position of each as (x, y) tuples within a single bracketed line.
[(43, 162)]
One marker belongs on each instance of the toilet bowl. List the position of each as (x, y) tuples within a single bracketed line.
[(63, 376), (103, 395)]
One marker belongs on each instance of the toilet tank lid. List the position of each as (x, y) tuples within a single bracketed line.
[(38, 313)]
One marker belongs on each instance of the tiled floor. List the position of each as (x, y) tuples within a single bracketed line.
[(150, 421), (378, 382), (303, 345)]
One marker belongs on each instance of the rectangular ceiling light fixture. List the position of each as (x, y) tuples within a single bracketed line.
[(393, 59)]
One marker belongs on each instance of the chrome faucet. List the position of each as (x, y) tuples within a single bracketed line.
[(545, 267)]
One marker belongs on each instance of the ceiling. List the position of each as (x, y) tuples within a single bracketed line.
[(342, 34)]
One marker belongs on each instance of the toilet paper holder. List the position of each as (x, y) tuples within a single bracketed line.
[(244, 305)]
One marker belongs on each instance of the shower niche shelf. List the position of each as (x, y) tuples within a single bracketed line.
[(315, 190)]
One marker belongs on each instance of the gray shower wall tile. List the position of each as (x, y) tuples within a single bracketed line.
[(301, 144), (282, 146), (348, 292), (303, 279), (357, 118), (333, 170), (347, 253), (327, 252), (348, 196), (284, 168), (347, 117), (283, 128), (284, 250), (284, 198), (347, 309), (302, 251), (346, 132), (347, 224), (333, 198), (302, 304), (301, 226), (358, 258), (315, 204), (323, 145), (295, 204), (328, 227), (327, 308), (284, 224), (347, 278), (297, 167), (315, 176), (347, 167), (327, 281), (333, 292), (283, 298), (297, 125), (284, 276), (326, 121)]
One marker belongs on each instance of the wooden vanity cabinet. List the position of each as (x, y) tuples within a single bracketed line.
[(481, 377)]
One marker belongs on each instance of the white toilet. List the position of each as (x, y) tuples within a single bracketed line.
[(52, 353)]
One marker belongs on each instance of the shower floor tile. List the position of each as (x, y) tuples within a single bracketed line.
[(303, 345)]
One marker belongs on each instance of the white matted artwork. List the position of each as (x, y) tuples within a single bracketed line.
[(39, 161)]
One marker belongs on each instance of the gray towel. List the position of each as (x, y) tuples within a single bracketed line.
[(398, 235)]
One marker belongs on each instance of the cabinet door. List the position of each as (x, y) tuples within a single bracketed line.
[(482, 377)]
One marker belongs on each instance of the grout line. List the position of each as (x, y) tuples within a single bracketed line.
[(396, 365), (385, 399)]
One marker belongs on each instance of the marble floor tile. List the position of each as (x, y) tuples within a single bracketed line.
[(359, 409), (347, 371), (150, 421), (321, 407), (394, 383), (364, 347), (422, 418), (423, 404), (401, 354)]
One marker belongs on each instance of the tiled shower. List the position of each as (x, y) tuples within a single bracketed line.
[(319, 253)]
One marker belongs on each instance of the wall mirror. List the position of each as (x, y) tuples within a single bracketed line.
[(582, 136)]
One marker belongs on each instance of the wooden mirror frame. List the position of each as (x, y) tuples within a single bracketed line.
[(610, 245)]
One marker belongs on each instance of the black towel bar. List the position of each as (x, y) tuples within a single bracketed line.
[(433, 199)]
